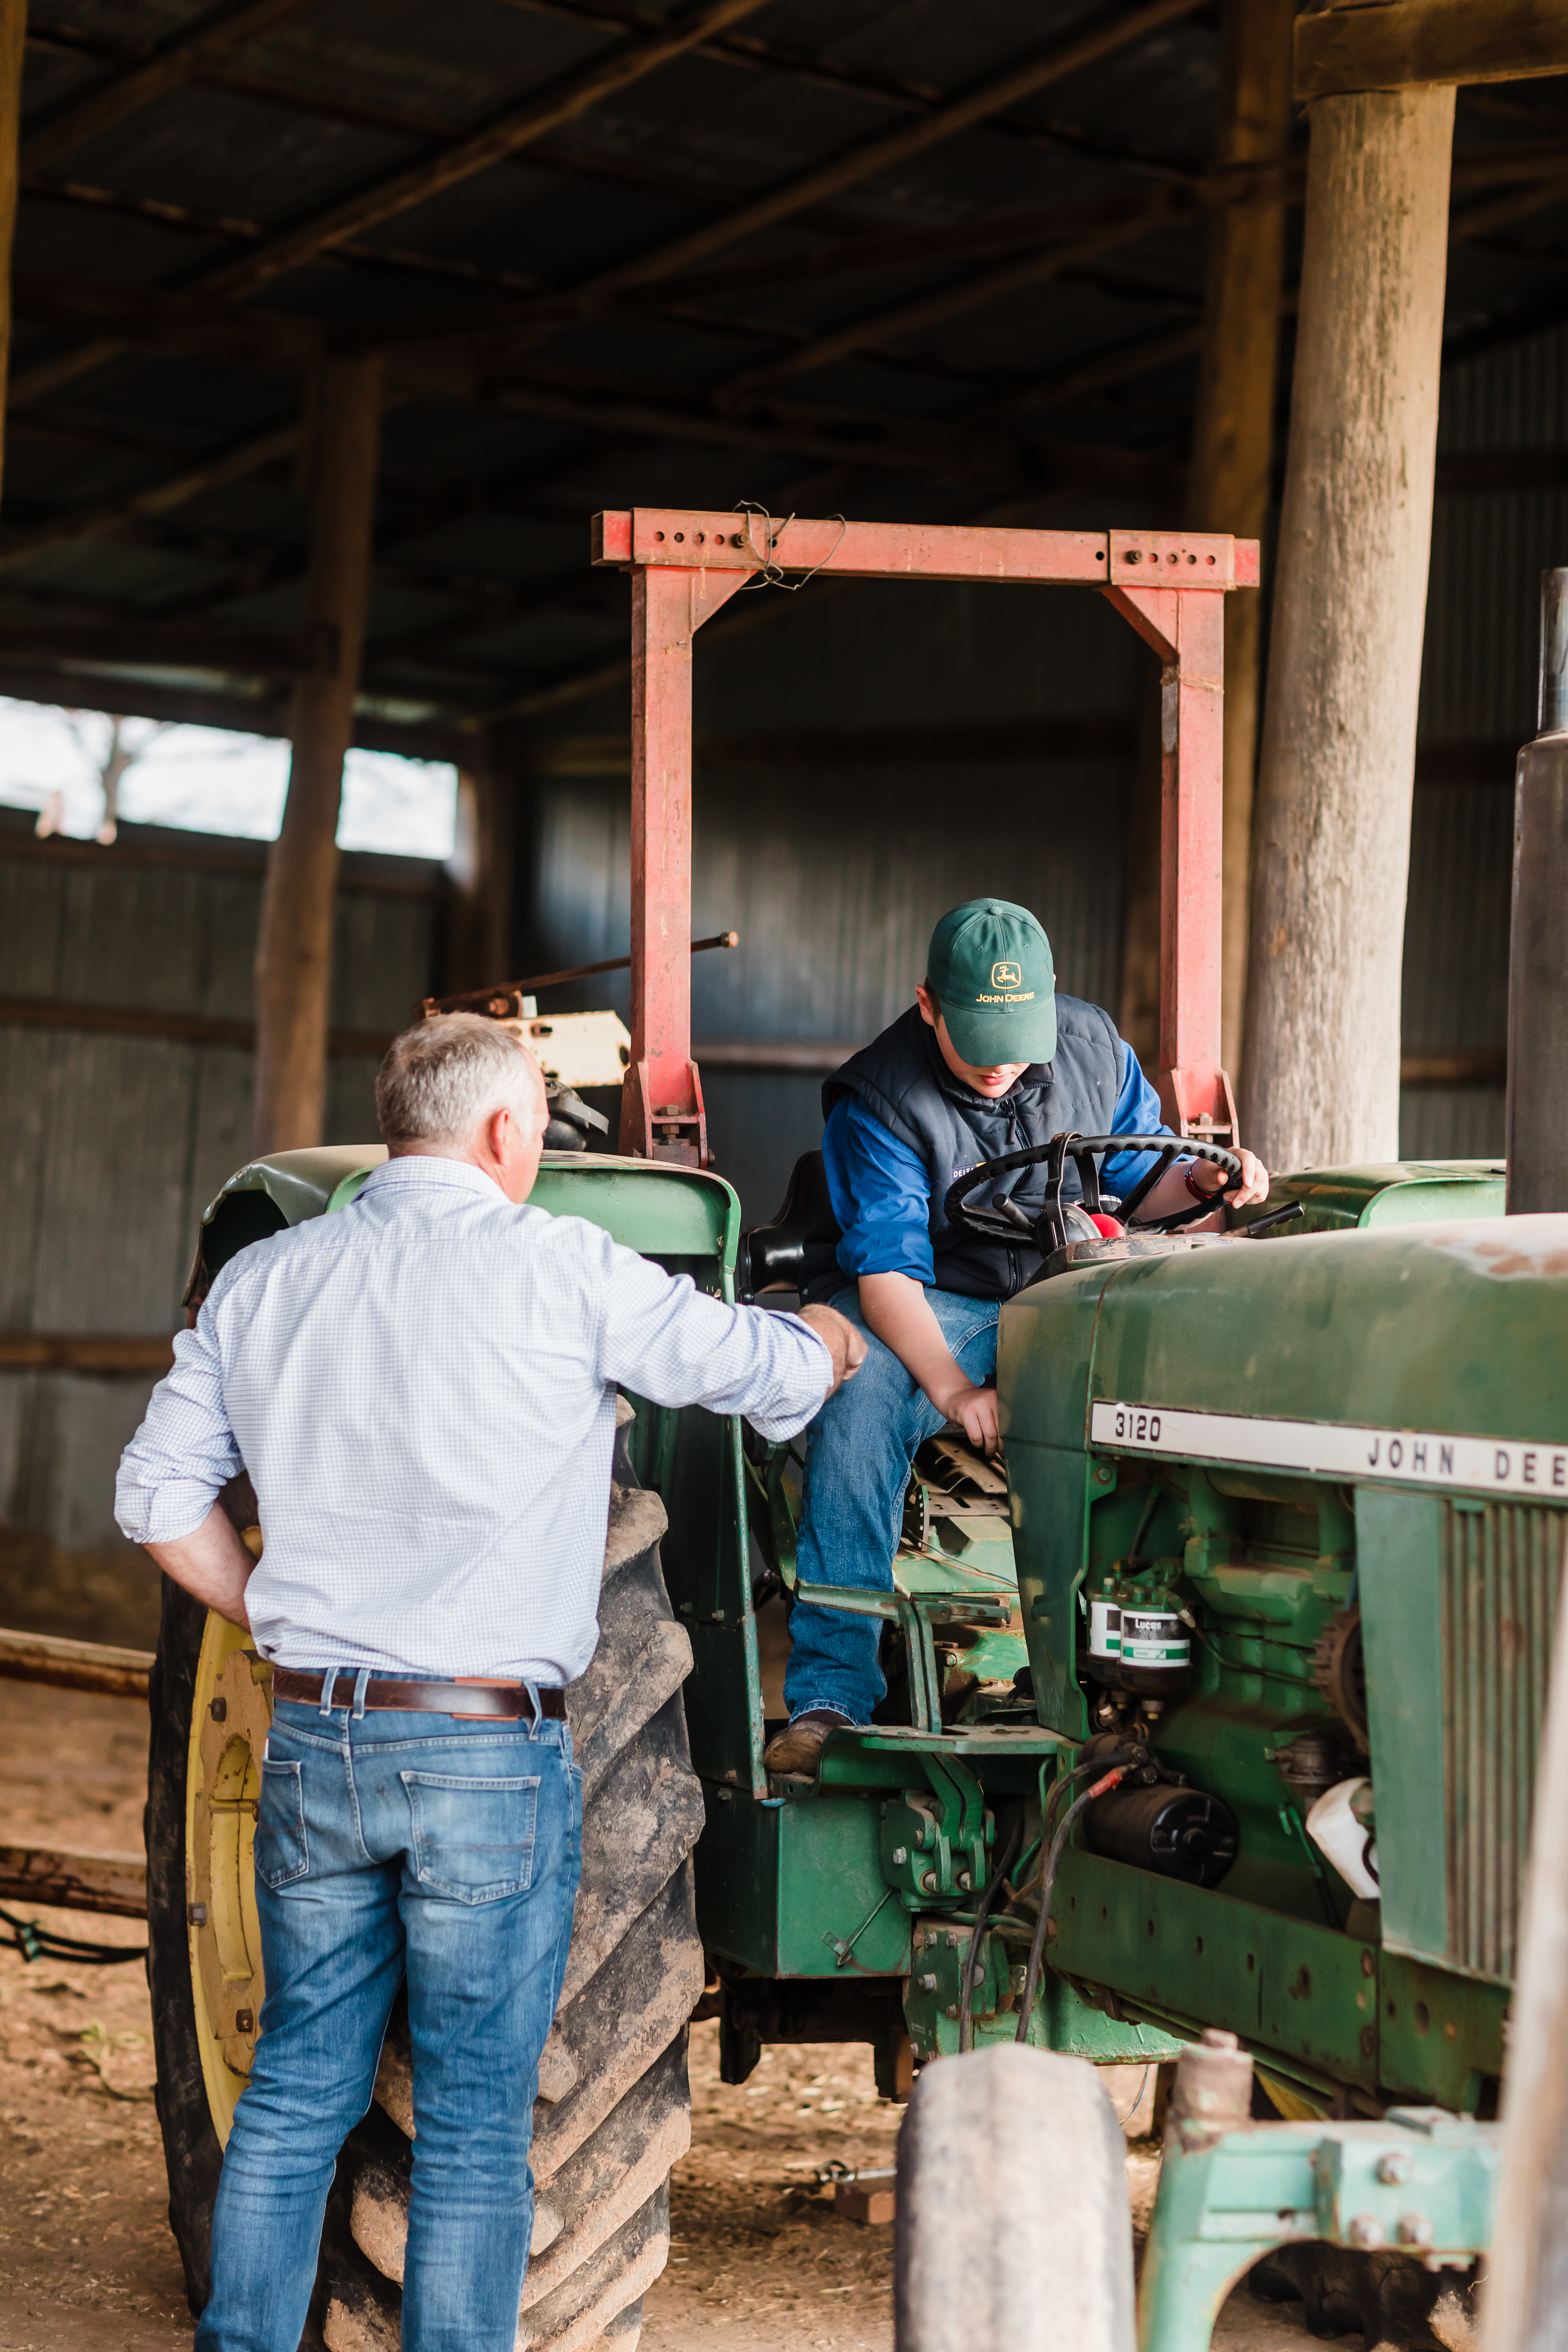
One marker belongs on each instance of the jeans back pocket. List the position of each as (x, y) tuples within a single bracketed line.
[(281, 1851), (473, 1838)]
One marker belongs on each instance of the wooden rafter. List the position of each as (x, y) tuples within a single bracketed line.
[(103, 518), (236, 651), (572, 95), (887, 152), (1415, 44), (181, 61), (973, 289), (741, 50)]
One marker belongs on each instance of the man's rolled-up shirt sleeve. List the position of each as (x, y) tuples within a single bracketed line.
[(672, 1343), (881, 1195), (184, 1451)]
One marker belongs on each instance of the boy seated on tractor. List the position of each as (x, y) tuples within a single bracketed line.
[(988, 1059)]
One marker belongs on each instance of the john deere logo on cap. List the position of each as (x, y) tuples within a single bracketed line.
[(1006, 975)]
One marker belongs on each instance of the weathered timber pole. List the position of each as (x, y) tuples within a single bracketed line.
[(480, 875), (294, 949), (1233, 436), (1332, 826), (13, 35)]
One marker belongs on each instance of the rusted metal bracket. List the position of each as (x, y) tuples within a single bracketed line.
[(685, 564)]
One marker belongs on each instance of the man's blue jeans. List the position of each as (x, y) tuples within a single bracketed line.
[(857, 1456), (391, 1845)]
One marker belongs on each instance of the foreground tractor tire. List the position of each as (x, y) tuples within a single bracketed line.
[(1013, 2225), (614, 2112)]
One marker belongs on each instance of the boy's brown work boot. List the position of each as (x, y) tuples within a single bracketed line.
[(796, 1747)]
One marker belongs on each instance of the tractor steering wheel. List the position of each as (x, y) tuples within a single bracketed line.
[(1003, 1221)]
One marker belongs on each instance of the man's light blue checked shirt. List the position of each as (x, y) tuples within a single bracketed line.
[(422, 1388)]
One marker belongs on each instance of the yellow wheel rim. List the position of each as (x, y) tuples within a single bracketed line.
[(229, 1717)]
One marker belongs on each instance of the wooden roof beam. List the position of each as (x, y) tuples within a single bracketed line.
[(1416, 44), (884, 152), (173, 645), (274, 342), (1133, 218), (181, 61), (571, 95), (575, 93), (102, 520), (264, 714)]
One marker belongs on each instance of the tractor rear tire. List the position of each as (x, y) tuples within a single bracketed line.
[(193, 2152), (1013, 2224), (614, 2109)]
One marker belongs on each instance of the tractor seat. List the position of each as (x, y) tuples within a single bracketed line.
[(796, 1239)]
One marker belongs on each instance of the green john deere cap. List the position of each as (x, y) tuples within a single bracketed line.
[(990, 967)]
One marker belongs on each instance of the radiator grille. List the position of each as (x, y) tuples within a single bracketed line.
[(1501, 1569)]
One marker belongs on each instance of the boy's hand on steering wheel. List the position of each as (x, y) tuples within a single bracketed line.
[(1254, 1184), (975, 1409)]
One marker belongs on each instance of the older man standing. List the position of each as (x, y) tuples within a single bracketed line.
[(422, 1390)]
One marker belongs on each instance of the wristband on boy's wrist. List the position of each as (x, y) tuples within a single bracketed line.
[(1199, 1192)]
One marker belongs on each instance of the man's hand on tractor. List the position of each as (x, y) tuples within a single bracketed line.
[(975, 1410), (843, 1342)]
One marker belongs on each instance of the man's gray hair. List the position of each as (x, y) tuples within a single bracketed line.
[(439, 1079)]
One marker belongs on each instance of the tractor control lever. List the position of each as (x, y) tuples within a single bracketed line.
[(1272, 1218)]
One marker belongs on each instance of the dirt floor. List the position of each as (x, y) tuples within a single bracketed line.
[(759, 2256)]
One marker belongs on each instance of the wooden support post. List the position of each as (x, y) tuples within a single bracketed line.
[(1233, 436), (480, 873), (294, 950), (1331, 828), (13, 35)]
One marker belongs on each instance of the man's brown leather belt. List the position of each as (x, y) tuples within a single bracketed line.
[(504, 1702)]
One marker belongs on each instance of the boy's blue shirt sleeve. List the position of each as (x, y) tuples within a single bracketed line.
[(1137, 1112), (881, 1197)]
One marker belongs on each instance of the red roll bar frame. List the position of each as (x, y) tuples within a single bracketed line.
[(1171, 586)]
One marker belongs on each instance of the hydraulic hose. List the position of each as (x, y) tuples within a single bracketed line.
[(982, 1912), (1062, 1782), (39, 1943), (1108, 1780)]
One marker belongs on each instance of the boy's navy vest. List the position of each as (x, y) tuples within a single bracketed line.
[(903, 1081)]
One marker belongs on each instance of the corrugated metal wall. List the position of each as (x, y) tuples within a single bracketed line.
[(112, 1145), (834, 857), (1490, 546)]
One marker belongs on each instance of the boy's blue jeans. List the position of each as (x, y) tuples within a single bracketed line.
[(391, 1845), (857, 1456)]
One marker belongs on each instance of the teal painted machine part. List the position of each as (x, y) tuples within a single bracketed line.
[(1419, 2181), (1408, 1192)]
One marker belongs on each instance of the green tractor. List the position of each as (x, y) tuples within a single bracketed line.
[(1214, 1709)]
